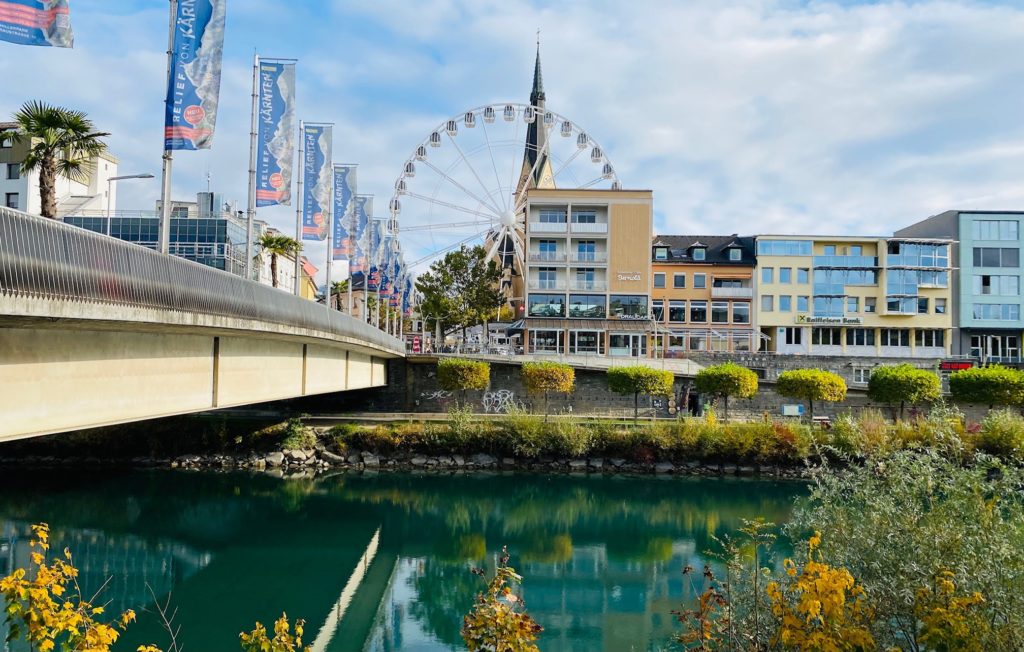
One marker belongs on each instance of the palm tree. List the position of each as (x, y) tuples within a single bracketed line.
[(61, 141), (338, 289), (277, 244)]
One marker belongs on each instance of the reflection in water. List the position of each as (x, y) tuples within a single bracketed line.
[(381, 562)]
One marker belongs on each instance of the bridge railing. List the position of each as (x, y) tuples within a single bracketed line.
[(47, 259)]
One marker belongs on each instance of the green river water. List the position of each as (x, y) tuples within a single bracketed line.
[(380, 562)]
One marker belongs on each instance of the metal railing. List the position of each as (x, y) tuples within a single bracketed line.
[(731, 293), (548, 227), (47, 259), (547, 256), (589, 257), (589, 227), (592, 286)]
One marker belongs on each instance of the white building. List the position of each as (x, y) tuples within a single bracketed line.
[(21, 191)]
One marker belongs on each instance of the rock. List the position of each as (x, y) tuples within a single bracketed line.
[(419, 460), (275, 459), (508, 461), (577, 465), (331, 458), (664, 467), (746, 470), (617, 462), (458, 460), (596, 463), (482, 459), (355, 457), (728, 469), (371, 460)]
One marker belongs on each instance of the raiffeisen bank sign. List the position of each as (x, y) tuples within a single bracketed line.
[(805, 319)]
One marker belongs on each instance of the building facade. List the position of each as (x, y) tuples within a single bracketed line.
[(850, 296), (701, 293), (986, 288), (21, 191), (588, 271)]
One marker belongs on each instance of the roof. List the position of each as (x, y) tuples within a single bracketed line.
[(717, 246), (4, 126), (308, 267)]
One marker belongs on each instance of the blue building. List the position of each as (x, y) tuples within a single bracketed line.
[(207, 231), (986, 291)]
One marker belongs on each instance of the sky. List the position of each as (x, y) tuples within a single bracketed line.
[(748, 116)]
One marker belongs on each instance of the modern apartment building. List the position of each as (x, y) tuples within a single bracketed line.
[(588, 271), (701, 293), (841, 295), (986, 288)]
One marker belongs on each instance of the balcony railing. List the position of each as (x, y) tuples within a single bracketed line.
[(732, 293), (548, 227), (546, 284), (846, 261), (582, 227), (589, 257), (547, 256), (595, 286)]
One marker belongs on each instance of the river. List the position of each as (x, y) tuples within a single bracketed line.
[(381, 562)]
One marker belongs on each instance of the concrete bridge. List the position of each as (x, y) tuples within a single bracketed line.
[(96, 331)]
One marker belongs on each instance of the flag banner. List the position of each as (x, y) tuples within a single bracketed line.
[(276, 134), (36, 22), (193, 90), (363, 210), (407, 298), (317, 191), (373, 279), (343, 237)]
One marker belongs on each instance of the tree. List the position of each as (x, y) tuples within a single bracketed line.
[(901, 384), (60, 142), (277, 244), (460, 375), (637, 380), (811, 385), (542, 378), (461, 290), (989, 386), (727, 380)]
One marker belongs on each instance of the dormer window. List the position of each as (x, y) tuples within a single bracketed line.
[(661, 253), (699, 253), (735, 254)]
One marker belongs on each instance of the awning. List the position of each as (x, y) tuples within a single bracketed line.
[(618, 325)]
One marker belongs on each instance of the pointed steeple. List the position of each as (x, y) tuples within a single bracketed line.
[(537, 94), (537, 173)]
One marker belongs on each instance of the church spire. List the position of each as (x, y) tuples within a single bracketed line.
[(537, 94)]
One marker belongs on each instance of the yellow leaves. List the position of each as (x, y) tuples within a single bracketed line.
[(283, 641), (497, 621), (950, 620), (147, 648)]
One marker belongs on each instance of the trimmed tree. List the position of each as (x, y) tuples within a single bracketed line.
[(461, 375), (637, 380), (901, 384), (989, 386), (811, 385), (542, 378), (726, 380), (277, 245)]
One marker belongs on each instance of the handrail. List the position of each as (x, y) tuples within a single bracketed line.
[(46, 259)]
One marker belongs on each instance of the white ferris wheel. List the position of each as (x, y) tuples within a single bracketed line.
[(466, 183)]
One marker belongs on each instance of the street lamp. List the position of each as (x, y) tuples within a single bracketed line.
[(110, 183)]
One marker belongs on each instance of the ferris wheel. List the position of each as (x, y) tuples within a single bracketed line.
[(466, 182)]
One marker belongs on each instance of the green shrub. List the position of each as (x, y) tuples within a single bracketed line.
[(726, 380), (1002, 433), (542, 378), (811, 385), (460, 375), (989, 386), (901, 384), (297, 436), (639, 379)]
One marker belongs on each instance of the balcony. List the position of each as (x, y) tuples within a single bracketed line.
[(547, 256), (846, 262), (587, 286), (545, 284), (580, 227), (589, 257), (732, 293), (548, 227)]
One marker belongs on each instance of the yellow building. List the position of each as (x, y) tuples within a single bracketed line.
[(588, 271), (876, 297)]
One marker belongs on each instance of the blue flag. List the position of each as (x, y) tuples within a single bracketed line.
[(36, 22), (363, 234), (275, 154), (318, 181), (343, 238), (193, 90)]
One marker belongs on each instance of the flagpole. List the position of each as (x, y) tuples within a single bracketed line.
[(251, 212), (300, 202), (168, 156), (351, 254), (330, 244)]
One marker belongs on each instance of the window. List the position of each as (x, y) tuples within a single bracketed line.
[(546, 305), (803, 275), (679, 280), (551, 216), (6, 143), (860, 337), (11, 200), (626, 306), (547, 278), (869, 304), (584, 217), (830, 250), (856, 250), (587, 306), (767, 303), (785, 275), (826, 336), (719, 312), (548, 246), (995, 229), (895, 337), (659, 279), (930, 338), (802, 304), (661, 253), (741, 313), (829, 306), (784, 247), (727, 283), (700, 281), (767, 274), (13, 171), (698, 312), (1004, 286), (997, 311), (940, 306), (677, 311), (861, 376), (785, 303), (922, 305), (657, 310), (699, 253), (735, 254), (996, 257), (792, 335)]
